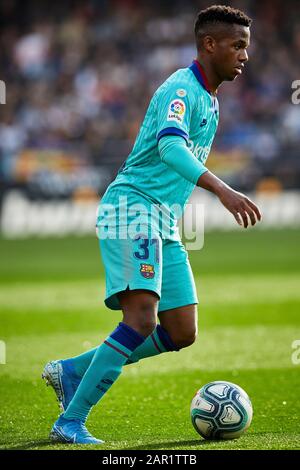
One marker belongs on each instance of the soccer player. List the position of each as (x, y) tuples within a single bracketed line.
[(148, 276)]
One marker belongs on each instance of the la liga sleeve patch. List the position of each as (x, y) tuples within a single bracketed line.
[(176, 111)]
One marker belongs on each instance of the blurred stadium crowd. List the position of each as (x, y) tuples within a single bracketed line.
[(79, 76)]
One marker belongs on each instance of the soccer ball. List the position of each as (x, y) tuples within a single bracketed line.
[(221, 410)]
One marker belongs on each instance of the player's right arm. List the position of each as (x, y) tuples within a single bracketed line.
[(237, 203)]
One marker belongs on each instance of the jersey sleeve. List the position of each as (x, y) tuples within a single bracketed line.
[(174, 111), (175, 153)]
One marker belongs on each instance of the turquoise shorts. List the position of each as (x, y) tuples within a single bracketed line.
[(155, 264)]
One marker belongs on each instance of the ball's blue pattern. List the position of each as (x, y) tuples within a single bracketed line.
[(227, 402)]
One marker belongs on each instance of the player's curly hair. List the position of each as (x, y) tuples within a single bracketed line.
[(219, 14)]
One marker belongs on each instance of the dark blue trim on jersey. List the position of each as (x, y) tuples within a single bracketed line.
[(173, 131), (201, 78)]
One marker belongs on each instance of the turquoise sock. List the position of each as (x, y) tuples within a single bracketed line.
[(158, 342), (105, 368), (81, 363)]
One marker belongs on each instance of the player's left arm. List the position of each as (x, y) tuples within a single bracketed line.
[(237, 203), (175, 153), (175, 106)]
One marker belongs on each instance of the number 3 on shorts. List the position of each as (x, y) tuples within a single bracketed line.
[(144, 244)]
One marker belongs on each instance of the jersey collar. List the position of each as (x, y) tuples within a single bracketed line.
[(199, 73)]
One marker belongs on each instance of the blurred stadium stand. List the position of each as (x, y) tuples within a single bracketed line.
[(79, 76)]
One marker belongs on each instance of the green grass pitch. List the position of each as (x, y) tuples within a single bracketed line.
[(51, 306)]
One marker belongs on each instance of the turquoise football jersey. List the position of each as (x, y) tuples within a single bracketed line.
[(184, 106)]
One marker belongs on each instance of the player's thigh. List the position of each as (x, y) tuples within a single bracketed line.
[(178, 285), (131, 264)]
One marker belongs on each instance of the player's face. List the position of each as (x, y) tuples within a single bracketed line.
[(230, 54)]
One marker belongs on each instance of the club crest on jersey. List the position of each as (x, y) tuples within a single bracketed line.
[(147, 271), (176, 111)]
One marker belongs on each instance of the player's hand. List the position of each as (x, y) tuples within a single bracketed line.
[(240, 206), (237, 203)]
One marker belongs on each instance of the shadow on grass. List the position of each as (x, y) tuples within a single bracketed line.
[(27, 445), (171, 444)]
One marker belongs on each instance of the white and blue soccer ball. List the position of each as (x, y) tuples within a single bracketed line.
[(221, 410)]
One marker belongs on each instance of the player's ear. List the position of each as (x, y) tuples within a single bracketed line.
[(209, 43)]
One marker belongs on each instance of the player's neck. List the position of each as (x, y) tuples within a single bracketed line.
[(213, 80)]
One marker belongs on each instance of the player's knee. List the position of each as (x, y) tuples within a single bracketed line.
[(140, 312), (144, 325), (185, 339), (147, 327), (146, 318), (147, 306), (143, 317)]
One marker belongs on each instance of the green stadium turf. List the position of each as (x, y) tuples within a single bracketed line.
[(51, 306)]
